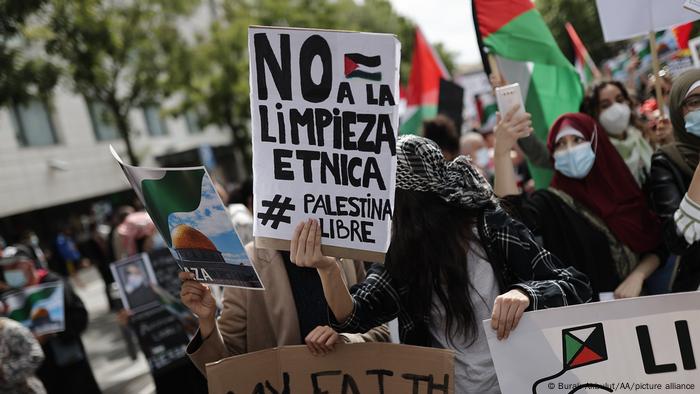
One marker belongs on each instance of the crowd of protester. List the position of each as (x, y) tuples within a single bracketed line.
[(471, 240)]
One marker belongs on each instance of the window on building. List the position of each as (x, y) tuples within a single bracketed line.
[(192, 121), (103, 123), (33, 124), (155, 123)]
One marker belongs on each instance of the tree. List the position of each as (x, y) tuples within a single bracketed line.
[(117, 53), (22, 76), (583, 15), (213, 78)]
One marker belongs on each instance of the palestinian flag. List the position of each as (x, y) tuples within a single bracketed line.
[(486, 108), (527, 53), (584, 64), (423, 86), (360, 66)]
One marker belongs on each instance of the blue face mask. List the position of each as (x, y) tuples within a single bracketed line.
[(575, 162), (15, 278), (692, 123)]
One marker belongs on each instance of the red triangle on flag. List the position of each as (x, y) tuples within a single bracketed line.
[(350, 66), (586, 356)]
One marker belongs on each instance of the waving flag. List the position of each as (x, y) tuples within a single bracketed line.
[(527, 53), (584, 64), (423, 86)]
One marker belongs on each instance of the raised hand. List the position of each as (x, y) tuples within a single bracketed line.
[(198, 298), (509, 128)]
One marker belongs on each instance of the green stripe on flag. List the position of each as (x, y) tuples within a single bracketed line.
[(527, 38), (414, 123)]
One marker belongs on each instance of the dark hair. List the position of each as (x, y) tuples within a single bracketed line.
[(428, 255), (443, 132), (242, 193), (591, 101)]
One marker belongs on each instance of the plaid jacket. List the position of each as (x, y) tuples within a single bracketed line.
[(518, 263)]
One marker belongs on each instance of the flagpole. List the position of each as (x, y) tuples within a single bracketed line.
[(657, 71), (493, 64)]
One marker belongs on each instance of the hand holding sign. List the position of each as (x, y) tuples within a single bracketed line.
[(198, 298), (305, 250), (507, 311)]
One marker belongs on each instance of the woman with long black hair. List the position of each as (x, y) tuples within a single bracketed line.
[(455, 259)]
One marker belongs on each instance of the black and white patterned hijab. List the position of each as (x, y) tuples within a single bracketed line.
[(422, 167)]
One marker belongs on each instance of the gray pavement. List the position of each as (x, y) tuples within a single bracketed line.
[(114, 370)]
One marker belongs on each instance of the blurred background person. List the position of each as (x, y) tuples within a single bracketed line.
[(473, 145), (610, 104), (20, 356), (443, 132), (240, 209), (66, 368)]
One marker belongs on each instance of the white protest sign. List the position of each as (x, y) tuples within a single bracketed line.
[(645, 345), (625, 19), (325, 120)]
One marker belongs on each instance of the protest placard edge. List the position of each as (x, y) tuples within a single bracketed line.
[(334, 251)]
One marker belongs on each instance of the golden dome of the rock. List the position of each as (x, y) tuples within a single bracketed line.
[(186, 237)]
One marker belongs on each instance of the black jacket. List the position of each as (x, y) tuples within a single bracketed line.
[(517, 261), (66, 369), (667, 186)]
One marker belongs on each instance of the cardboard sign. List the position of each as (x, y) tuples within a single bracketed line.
[(40, 308), (325, 121), (647, 344), (194, 223), (356, 368)]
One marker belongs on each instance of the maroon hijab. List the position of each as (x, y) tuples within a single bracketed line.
[(609, 190)]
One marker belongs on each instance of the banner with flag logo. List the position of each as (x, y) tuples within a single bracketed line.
[(644, 344), (39, 308)]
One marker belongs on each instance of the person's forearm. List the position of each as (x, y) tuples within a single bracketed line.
[(694, 189), (207, 325), (536, 151), (505, 183), (337, 295), (647, 266)]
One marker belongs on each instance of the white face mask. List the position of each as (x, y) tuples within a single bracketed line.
[(615, 118)]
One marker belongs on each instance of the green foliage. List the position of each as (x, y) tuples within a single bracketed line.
[(583, 15), (213, 78), (22, 75), (118, 52)]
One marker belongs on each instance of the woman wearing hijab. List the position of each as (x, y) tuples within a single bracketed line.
[(675, 180), (593, 215), (610, 103), (455, 259)]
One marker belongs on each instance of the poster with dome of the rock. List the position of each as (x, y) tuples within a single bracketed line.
[(194, 223)]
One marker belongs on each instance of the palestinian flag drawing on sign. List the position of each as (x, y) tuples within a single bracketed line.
[(360, 66)]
